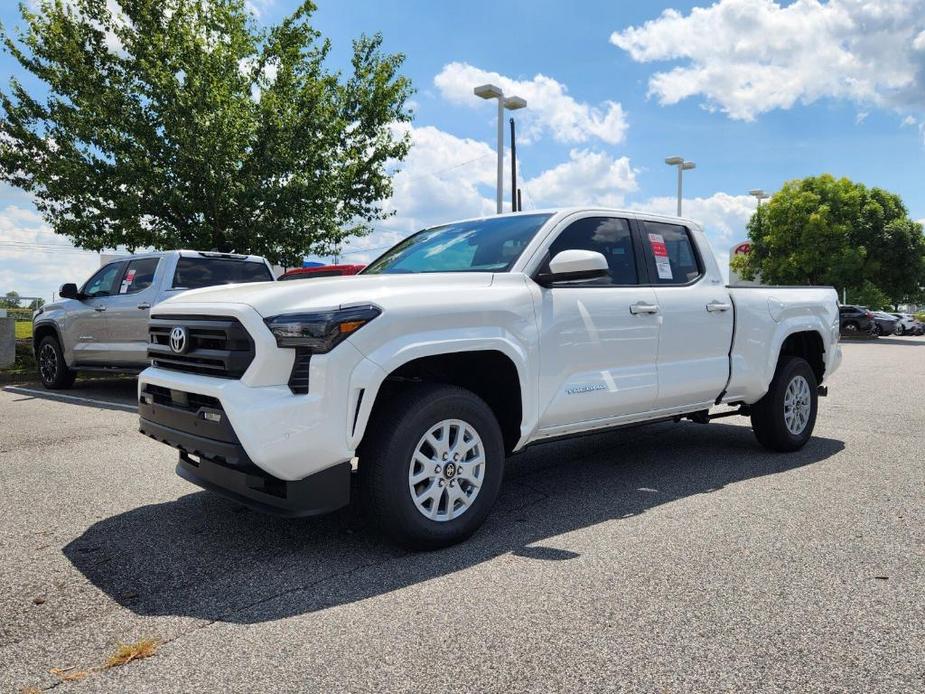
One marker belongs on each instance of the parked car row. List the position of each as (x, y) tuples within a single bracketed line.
[(860, 320)]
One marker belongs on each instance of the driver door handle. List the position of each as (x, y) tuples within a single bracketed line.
[(99, 309), (715, 306), (144, 305), (642, 307)]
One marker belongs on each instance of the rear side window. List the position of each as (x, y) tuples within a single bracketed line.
[(193, 273), (609, 236), (138, 276), (671, 253)]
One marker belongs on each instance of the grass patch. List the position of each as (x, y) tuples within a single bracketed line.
[(24, 330), (69, 674), (126, 653), (132, 651)]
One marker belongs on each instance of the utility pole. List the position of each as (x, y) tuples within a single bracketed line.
[(513, 169)]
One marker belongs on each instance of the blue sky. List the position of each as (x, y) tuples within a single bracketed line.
[(755, 92)]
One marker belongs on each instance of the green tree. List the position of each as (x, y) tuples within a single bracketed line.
[(181, 123), (823, 230), (10, 300), (36, 304)]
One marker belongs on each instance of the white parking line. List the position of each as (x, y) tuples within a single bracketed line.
[(61, 396)]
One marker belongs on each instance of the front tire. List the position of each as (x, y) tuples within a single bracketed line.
[(53, 370), (431, 466), (783, 420)]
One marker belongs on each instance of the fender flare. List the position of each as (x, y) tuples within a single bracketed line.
[(368, 377)]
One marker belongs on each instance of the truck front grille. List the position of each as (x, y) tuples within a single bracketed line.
[(213, 345)]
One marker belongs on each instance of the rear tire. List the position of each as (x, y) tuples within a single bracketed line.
[(53, 370), (784, 418), (424, 429)]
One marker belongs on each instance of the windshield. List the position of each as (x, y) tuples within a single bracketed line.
[(480, 245)]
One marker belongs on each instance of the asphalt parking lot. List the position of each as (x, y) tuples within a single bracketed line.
[(670, 558)]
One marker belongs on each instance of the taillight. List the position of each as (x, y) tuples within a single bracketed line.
[(868, 314)]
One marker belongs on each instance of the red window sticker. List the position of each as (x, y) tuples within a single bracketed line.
[(659, 248)]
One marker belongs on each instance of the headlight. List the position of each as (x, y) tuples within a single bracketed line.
[(320, 332)]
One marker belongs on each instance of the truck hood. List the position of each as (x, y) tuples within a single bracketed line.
[(291, 296)]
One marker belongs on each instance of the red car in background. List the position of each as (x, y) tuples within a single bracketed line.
[(307, 273)]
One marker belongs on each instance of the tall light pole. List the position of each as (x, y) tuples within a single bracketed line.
[(759, 195), (682, 167), (511, 103)]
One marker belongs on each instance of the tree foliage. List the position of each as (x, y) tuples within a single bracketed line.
[(822, 230), (181, 123), (10, 300)]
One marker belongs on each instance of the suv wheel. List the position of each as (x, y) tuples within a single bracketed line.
[(784, 418), (52, 368), (431, 466)]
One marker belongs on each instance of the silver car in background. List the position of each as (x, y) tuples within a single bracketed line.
[(103, 325)]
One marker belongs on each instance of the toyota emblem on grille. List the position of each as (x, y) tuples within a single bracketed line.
[(178, 339)]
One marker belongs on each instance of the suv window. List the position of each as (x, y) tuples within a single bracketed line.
[(139, 275), (193, 273), (671, 251), (609, 236), (102, 282)]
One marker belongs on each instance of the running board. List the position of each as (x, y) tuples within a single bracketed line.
[(704, 416)]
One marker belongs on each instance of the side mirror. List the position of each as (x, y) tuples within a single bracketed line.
[(572, 265), (69, 291)]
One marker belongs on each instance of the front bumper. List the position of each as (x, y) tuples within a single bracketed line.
[(212, 457)]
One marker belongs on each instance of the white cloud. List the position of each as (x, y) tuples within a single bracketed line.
[(259, 7), (587, 178), (440, 179), (722, 215), (549, 106), (446, 177), (34, 261), (746, 57)]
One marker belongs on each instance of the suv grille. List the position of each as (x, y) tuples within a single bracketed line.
[(215, 345)]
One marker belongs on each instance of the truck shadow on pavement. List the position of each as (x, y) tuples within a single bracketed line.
[(204, 557)]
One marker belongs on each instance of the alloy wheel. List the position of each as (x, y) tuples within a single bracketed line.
[(446, 470), (797, 405), (48, 363)]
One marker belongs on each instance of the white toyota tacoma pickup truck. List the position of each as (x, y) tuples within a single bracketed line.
[(462, 345)]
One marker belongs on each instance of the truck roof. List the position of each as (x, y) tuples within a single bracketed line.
[(564, 211), (186, 253)]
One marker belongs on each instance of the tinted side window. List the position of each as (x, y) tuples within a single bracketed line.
[(139, 275), (671, 251), (101, 283), (608, 236), (193, 273)]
